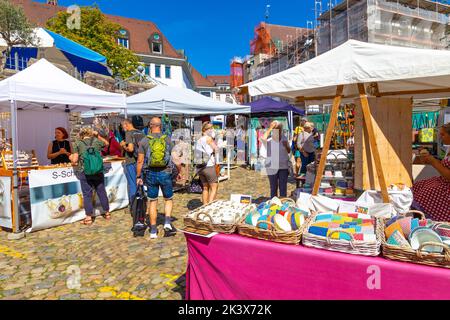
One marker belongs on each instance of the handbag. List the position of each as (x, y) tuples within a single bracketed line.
[(196, 186), (139, 213), (218, 168)]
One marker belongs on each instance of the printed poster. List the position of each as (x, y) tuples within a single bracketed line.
[(56, 197), (5, 203)]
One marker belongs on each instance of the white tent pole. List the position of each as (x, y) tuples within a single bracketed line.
[(14, 142), (125, 111)]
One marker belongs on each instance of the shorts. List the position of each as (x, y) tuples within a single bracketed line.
[(159, 179), (208, 175)]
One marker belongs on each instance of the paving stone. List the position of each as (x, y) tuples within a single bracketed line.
[(40, 292), (72, 296), (109, 255), (104, 295)]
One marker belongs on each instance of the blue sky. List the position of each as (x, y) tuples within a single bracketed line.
[(212, 32)]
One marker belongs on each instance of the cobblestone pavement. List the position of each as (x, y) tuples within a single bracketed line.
[(112, 264)]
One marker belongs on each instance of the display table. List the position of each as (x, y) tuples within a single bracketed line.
[(51, 196), (231, 267)]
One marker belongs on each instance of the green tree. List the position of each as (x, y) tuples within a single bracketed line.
[(97, 33), (15, 29)]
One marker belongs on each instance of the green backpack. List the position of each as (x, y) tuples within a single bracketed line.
[(157, 152), (92, 160)]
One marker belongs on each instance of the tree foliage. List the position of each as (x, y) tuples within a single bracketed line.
[(97, 33), (15, 29)]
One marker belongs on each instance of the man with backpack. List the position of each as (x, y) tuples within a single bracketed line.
[(131, 147), (154, 168)]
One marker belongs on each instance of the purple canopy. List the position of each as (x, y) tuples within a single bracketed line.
[(267, 104)]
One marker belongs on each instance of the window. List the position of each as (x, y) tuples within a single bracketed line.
[(156, 43), (168, 72), (147, 70), (157, 71), (124, 38), (206, 93)]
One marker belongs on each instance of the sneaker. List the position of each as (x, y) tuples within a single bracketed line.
[(169, 230), (153, 236)]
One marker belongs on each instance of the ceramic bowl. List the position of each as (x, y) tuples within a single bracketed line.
[(423, 235), (405, 223), (443, 230), (255, 219), (393, 220), (281, 223), (389, 231), (263, 226), (397, 239)]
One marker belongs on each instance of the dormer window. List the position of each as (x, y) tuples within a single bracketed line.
[(156, 43), (124, 38)]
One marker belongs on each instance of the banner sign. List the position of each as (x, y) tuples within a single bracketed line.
[(56, 197), (5, 202)]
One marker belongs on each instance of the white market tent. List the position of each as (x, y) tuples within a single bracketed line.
[(179, 101), (359, 70), (43, 83), (398, 71), (44, 87)]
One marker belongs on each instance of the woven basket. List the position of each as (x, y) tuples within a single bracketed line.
[(273, 235), (208, 226), (362, 248), (409, 255)]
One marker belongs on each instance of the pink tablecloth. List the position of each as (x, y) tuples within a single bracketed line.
[(240, 268)]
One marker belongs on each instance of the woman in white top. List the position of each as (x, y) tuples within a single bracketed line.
[(206, 149), (277, 163)]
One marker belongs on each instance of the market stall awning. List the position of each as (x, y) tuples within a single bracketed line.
[(397, 71), (170, 100), (269, 105), (55, 47), (44, 84), (74, 48)]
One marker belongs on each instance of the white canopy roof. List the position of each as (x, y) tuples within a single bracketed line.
[(44, 83), (399, 72), (170, 100)]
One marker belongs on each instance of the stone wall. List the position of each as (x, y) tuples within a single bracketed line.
[(108, 84), (93, 79)]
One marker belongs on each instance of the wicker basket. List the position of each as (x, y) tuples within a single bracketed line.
[(409, 255), (293, 237), (363, 248), (208, 226)]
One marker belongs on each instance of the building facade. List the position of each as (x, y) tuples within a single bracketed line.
[(409, 23), (162, 61), (223, 91)]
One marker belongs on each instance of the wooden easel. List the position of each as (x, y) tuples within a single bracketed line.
[(368, 124)]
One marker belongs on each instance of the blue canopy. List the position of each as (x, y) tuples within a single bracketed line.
[(75, 49), (269, 105)]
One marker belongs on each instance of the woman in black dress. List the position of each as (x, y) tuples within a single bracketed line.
[(60, 149)]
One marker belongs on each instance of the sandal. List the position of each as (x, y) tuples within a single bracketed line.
[(107, 216), (87, 222)]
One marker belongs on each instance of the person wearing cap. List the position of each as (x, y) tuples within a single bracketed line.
[(297, 153), (306, 147)]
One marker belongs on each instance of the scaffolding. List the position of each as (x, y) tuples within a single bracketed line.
[(294, 52), (411, 23)]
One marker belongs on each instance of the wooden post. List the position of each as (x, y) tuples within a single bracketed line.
[(329, 135), (368, 122)]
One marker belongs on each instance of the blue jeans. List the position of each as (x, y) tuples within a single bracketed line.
[(156, 179), (130, 173), (306, 160)]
